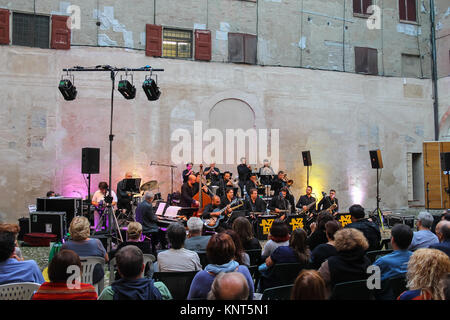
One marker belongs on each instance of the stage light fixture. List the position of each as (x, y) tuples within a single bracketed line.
[(68, 90), (126, 88), (151, 88)]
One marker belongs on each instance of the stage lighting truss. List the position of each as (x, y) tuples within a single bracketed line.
[(151, 88), (127, 88), (67, 88)]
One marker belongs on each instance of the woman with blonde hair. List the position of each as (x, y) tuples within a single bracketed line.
[(350, 263), (427, 270), (134, 238), (84, 246)]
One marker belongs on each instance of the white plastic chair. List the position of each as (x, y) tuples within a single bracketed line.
[(88, 264), (148, 258), (18, 291)]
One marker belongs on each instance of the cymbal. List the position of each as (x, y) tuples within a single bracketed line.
[(149, 185)]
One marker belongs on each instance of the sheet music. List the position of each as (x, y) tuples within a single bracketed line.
[(160, 210), (172, 211)]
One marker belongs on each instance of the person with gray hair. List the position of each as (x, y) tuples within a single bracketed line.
[(146, 216), (423, 237), (195, 241), (229, 286)]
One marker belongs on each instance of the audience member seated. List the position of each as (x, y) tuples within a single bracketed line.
[(244, 229), (220, 253), (132, 286), (195, 241), (318, 235), (241, 256), (427, 270), (229, 286), (370, 230), (325, 250), (12, 268), (177, 258), (278, 237), (443, 234), (134, 236), (296, 252), (350, 264), (84, 246), (396, 263), (14, 228), (423, 238), (309, 285), (59, 273)]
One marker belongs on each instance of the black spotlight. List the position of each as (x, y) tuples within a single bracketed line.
[(68, 90), (127, 89), (151, 89)]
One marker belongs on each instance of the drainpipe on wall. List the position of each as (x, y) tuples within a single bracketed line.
[(434, 71)]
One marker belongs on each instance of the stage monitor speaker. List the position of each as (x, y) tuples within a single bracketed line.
[(90, 160), (375, 159), (306, 158), (445, 161)]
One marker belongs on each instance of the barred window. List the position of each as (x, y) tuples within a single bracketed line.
[(31, 30), (177, 43)]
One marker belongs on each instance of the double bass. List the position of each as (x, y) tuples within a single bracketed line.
[(201, 196)]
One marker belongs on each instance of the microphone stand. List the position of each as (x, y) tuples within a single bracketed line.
[(171, 166)]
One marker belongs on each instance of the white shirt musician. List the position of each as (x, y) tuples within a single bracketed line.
[(98, 200)]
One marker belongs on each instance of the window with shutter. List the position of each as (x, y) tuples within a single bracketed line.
[(60, 33), (203, 45), (4, 26), (407, 10), (30, 30), (242, 48), (153, 40), (366, 60)]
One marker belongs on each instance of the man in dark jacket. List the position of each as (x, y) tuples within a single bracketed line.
[(131, 286), (146, 216), (443, 233), (368, 228)]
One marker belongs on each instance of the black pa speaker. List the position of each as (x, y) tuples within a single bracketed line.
[(445, 161), (90, 160), (375, 159), (306, 158)]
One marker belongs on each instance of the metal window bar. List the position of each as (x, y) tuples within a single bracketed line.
[(177, 43), (31, 30)]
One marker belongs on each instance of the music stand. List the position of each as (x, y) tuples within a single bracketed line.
[(132, 185)]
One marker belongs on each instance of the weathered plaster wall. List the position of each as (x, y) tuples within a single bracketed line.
[(338, 116)]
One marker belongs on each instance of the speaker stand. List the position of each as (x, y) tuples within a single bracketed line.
[(378, 210)]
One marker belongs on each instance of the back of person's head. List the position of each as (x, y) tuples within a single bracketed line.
[(446, 216), (349, 239), (445, 231), (7, 245), (279, 231), (195, 225), (426, 270), (331, 227), (220, 249), (322, 219), (130, 262), (10, 227), (134, 230), (80, 228), (237, 243), (243, 228), (176, 233), (402, 235), (229, 286), (298, 243), (58, 267), (357, 211), (426, 219), (309, 285), (148, 195), (446, 287)]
